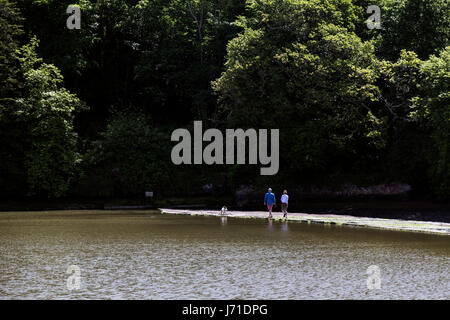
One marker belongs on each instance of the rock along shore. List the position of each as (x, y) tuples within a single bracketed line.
[(439, 228)]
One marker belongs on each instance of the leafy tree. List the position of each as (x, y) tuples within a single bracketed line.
[(421, 26), (309, 67), (10, 31), (398, 83), (12, 180), (45, 113), (131, 156), (157, 55), (182, 45), (433, 109), (297, 65), (97, 60)]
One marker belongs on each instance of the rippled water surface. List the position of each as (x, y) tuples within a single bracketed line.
[(146, 255)]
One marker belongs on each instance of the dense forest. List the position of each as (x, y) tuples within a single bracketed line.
[(89, 112)]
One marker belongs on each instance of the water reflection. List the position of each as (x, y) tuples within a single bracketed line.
[(223, 221), (284, 226), (270, 225)]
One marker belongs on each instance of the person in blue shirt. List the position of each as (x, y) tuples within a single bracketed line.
[(269, 201)]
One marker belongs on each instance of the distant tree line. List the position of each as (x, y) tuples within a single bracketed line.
[(89, 112)]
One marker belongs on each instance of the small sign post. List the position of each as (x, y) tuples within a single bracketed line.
[(148, 196)]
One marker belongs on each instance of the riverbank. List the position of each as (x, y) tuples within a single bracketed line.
[(422, 210), (439, 228)]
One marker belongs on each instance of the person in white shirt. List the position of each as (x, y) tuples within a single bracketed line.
[(284, 203)]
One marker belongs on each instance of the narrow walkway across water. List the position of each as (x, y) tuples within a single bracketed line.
[(340, 220)]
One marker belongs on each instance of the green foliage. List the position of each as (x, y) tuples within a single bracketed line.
[(12, 181), (181, 45), (45, 112), (131, 156), (10, 31), (309, 67), (328, 80), (432, 107), (421, 26), (399, 84)]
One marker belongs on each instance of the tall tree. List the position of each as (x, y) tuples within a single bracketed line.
[(432, 106), (421, 26), (10, 31), (296, 65), (12, 179)]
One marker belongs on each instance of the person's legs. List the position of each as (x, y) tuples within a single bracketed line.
[(269, 208), (283, 208)]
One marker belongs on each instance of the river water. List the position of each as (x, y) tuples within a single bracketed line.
[(146, 255)]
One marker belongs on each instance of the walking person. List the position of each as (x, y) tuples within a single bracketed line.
[(284, 203), (269, 201)]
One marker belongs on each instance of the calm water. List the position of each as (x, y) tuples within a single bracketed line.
[(145, 255)]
